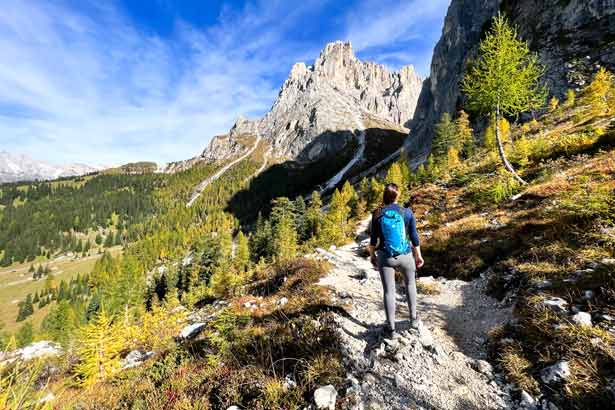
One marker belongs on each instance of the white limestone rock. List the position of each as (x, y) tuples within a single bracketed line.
[(557, 305), (325, 397), (582, 319), (192, 330), (557, 373)]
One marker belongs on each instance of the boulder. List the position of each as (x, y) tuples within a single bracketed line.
[(557, 305), (192, 330), (483, 367), (39, 349), (325, 397), (545, 284), (582, 319), (283, 301), (426, 339), (289, 383), (587, 295), (557, 373), (527, 401), (399, 381), (608, 262), (135, 358)]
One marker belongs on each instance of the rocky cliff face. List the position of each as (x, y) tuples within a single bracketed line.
[(572, 38), (320, 108)]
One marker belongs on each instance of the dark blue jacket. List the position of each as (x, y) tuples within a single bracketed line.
[(377, 237)]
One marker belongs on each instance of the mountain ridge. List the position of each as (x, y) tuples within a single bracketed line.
[(21, 167), (314, 115)]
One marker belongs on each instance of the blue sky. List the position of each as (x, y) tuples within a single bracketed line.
[(108, 82)]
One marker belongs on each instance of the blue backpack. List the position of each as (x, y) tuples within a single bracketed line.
[(394, 232)]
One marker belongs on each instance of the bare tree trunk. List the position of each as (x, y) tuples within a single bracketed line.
[(498, 141)]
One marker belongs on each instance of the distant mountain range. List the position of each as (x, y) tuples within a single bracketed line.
[(18, 167)]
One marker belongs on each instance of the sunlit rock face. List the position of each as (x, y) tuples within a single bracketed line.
[(573, 38), (319, 108)]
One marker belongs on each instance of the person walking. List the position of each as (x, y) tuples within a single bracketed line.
[(390, 250)]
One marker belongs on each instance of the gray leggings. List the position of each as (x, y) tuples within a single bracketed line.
[(387, 268)]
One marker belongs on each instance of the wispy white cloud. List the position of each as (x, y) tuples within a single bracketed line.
[(77, 88), (88, 85)]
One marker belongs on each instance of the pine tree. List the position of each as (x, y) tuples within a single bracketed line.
[(599, 95), (24, 335), (242, 253), (464, 135), (285, 239), (301, 223), (25, 308), (260, 241), (100, 344), (452, 157), (404, 167), (432, 170), (314, 216), (505, 80), (445, 136), (570, 99), (335, 228), (282, 207), (553, 104), (521, 151), (394, 175), (60, 322), (374, 198)]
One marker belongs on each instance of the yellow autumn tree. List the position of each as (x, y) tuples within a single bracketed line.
[(242, 253), (465, 134), (452, 158), (285, 239), (157, 327), (100, 344), (570, 99), (336, 221), (553, 104), (599, 95)]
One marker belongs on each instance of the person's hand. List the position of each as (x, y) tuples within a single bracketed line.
[(419, 261), (374, 261)]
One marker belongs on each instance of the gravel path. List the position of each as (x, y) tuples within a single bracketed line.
[(441, 366)]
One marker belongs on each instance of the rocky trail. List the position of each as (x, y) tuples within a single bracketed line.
[(207, 181), (441, 366)]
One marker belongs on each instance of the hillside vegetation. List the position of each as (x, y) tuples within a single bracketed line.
[(230, 314)]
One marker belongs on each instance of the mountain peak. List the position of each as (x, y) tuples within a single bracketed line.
[(20, 167), (337, 49), (329, 97)]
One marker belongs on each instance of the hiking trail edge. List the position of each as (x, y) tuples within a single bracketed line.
[(441, 366)]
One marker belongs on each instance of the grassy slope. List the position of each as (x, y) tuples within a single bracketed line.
[(561, 225), (16, 282)]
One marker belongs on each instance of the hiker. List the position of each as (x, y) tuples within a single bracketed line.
[(390, 250)]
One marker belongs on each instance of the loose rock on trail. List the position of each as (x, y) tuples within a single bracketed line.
[(440, 366)]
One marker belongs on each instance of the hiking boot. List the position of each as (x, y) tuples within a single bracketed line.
[(388, 333), (416, 324)]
